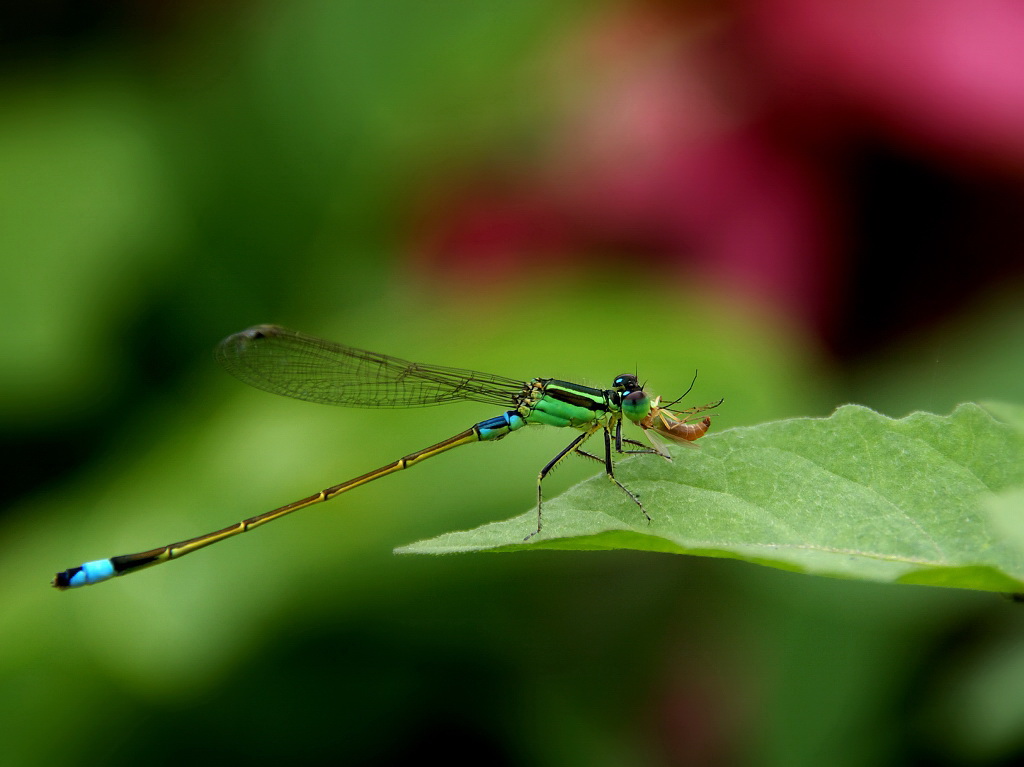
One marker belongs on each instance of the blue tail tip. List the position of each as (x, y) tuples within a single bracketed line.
[(84, 575)]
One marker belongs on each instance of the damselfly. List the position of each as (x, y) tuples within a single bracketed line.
[(286, 362)]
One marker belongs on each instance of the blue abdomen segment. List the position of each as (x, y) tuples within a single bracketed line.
[(86, 574), (499, 426)]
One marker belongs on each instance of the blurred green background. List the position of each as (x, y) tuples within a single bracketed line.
[(572, 190)]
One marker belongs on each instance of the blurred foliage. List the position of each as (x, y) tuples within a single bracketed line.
[(260, 162)]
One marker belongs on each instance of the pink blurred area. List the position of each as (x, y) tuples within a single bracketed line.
[(724, 144), (944, 76)]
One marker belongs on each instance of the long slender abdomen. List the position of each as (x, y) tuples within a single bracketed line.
[(101, 570)]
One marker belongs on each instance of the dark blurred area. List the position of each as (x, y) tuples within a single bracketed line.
[(815, 201)]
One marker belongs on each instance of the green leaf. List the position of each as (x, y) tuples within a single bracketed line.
[(855, 495), (1008, 413)]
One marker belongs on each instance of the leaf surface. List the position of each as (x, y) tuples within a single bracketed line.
[(925, 499)]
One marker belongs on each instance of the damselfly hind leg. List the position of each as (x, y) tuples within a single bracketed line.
[(574, 445)]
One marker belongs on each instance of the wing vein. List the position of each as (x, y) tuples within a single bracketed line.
[(293, 364)]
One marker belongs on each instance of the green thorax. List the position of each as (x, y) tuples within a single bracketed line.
[(551, 402)]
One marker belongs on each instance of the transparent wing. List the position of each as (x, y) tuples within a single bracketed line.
[(292, 364)]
